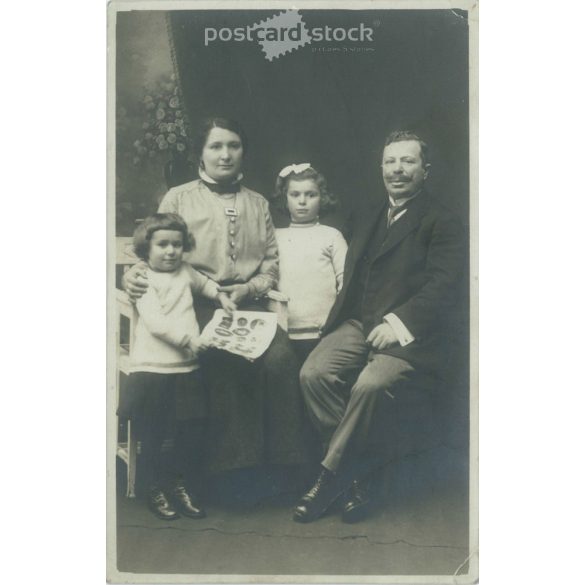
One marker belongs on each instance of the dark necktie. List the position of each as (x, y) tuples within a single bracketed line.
[(392, 212)]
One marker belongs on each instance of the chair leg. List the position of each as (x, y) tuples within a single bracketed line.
[(131, 467)]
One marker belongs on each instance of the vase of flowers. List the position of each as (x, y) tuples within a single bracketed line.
[(164, 132)]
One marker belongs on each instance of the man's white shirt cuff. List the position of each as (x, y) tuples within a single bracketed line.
[(402, 333)]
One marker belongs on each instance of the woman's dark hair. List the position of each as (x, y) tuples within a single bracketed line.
[(209, 124), (328, 201), (156, 222)]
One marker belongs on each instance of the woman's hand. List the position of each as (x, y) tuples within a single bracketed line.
[(226, 303), (135, 281), (198, 344), (236, 292)]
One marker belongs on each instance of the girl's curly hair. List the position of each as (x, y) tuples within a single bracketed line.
[(328, 201), (156, 222)]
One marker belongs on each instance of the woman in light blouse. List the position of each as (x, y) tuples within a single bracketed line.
[(255, 408)]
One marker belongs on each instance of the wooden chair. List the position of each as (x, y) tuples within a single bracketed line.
[(277, 302), (126, 449)]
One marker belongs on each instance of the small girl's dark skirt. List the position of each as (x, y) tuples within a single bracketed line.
[(174, 397), (166, 406)]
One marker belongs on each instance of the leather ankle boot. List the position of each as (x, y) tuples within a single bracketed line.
[(186, 502), (318, 499), (357, 504), (160, 506)]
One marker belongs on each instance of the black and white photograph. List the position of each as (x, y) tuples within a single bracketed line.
[(292, 292)]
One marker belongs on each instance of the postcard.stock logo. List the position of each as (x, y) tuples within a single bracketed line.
[(286, 32)]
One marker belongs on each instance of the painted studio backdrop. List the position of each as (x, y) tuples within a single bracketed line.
[(329, 103)]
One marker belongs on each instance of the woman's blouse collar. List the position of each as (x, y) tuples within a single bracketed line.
[(221, 188)]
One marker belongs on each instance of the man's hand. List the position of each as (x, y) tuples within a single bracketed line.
[(197, 345), (236, 292), (382, 337), (226, 303), (135, 282)]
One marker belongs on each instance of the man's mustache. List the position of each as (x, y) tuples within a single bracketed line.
[(401, 178)]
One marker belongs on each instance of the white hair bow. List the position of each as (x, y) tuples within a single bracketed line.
[(294, 169)]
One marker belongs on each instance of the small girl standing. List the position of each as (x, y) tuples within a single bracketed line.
[(311, 255), (165, 394)]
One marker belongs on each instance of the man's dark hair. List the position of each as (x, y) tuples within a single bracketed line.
[(403, 135)]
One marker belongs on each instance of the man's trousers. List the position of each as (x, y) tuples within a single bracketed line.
[(353, 394)]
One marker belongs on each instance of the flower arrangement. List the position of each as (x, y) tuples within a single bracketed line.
[(164, 129)]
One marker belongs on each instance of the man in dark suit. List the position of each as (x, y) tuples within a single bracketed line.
[(387, 328)]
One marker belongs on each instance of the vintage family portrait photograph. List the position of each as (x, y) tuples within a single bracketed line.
[(292, 297)]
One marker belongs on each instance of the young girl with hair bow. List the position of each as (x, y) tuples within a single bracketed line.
[(311, 255)]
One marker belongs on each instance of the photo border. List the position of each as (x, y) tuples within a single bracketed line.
[(116, 6)]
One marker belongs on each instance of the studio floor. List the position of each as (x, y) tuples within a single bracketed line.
[(418, 527)]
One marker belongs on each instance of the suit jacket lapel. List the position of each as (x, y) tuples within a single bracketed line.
[(362, 239), (404, 225)]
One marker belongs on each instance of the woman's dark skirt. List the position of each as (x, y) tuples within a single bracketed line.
[(256, 412)]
